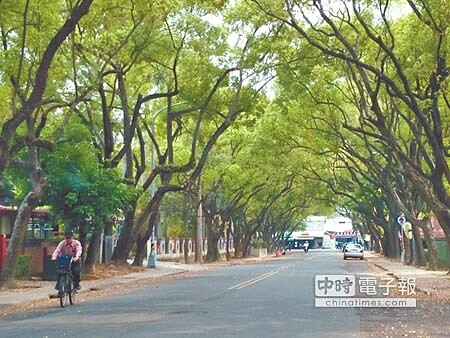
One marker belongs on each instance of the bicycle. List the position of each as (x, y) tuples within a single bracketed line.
[(66, 290)]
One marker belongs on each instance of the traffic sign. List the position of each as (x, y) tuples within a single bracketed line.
[(401, 220)]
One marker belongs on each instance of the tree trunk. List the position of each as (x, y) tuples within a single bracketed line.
[(141, 248), (238, 245), (433, 255), (92, 252), (186, 250), (213, 228), (198, 237), (82, 237), (20, 227), (437, 201), (393, 249), (213, 254), (109, 228), (376, 240), (409, 251), (385, 244), (420, 254), (186, 228), (246, 246), (141, 240), (125, 241), (148, 218)]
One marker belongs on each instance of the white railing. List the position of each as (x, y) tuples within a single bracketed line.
[(173, 248), (168, 249)]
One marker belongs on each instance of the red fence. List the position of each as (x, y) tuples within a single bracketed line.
[(2, 250)]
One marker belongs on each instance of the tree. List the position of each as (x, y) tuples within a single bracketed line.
[(226, 91), (23, 108), (84, 195), (366, 40)]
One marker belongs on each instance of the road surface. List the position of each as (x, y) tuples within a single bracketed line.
[(274, 298)]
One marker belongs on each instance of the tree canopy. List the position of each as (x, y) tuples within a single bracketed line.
[(267, 111)]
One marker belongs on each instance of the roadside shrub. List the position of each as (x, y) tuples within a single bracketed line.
[(23, 266), (259, 244)]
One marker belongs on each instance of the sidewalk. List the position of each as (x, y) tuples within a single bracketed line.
[(434, 283), (37, 290)]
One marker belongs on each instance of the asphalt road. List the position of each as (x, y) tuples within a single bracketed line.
[(274, 298)]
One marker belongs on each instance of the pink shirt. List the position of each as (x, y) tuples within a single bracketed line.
[(73, 249)]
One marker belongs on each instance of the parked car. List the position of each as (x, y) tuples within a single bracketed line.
[(352, 250)]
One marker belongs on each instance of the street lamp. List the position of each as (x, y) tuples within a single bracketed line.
[(153, 184), (153, 190)]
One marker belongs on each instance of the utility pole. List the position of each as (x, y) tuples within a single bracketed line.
[(199, 228)]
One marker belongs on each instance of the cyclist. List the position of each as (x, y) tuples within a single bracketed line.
[(306, 246), (70, 247)]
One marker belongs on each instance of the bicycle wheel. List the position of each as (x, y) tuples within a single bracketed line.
[(63, 294), (72, 291)]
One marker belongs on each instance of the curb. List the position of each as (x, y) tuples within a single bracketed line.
[(108, 283)]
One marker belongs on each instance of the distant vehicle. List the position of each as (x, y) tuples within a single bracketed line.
[(352, 250), (344, 245)]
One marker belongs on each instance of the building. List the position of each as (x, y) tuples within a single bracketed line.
[(37, 243), (324, 232), (39, 226)]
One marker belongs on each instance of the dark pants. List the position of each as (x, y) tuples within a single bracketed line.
[(76, 273)]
